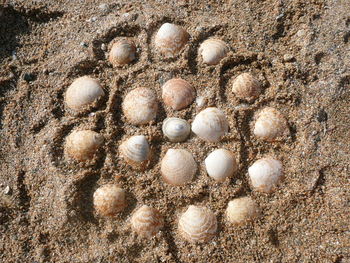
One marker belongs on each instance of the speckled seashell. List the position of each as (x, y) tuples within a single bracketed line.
[(197, 224), (176, 129), (109, 199), (140, 106), (178, 94), (241, 210), (265, 174), (122, 52), (135, 151), (220, 164), (246, 87), (270, 125), (210, 124), (83, 92), (147, 221), (82, 145), (170, 39), (213, 50), (178, 167)]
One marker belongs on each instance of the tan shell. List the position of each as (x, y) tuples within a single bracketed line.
[(147, 221), (197, 224), (122, 52), (82, 145), (270, 125), (135, 151), (246, 87), (178, 167), (265, 174), (213, 50), (176, 129), (109, 199), (140, 106), (220, 164), (210, 124), (241, 210), (84, 91), (170, 39), (178, 93)]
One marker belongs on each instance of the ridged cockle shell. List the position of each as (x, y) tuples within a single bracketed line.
[(241, 210), (122, 52), (213, 50), (135, 151), (246, 87), (109, 199), (147, 221), (178, 93)]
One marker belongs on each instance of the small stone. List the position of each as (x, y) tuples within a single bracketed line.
[(83, 44), (103, 47), (322, 116), (288, 58), (29, 77), (201, 101), (7, 190), (103, 7)]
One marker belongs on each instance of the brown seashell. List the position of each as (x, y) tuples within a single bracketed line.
[(246, 87), (122, 52), (109, 199), (178, 93), (147, 221), (213, 51)]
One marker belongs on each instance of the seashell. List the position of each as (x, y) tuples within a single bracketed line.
[(210, 124), (82, 145), (122, 52), (220, 164), (135, 151), (197, 224), (109, 199), (246, 87), (213, 50), (147, 221), (83, 92), (178, 93), (140, 106), (241, 210), (270, 125), (176, 129), (178, 167), (265, 174), (170, 39)]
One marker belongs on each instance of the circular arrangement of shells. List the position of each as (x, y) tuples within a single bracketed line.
[(178, 166)]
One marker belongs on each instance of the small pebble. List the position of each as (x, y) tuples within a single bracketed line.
[(28, 77), (103, 47), (83, 44), (7, 190), (201, 101), (103, 7), (322, 116), (288, 58)]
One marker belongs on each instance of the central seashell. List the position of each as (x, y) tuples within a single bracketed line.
[(213, 51), (220, 164), (147, 221), (246, 87), (241, 210), (109, 199), (176, 129), (122, 52), (178, 93), (135, 151)]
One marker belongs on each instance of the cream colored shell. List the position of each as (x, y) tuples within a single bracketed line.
[(122, 52), (178, 93), (140, 106), (178, 167), (82, 145), (220, 164), (241, 210), (135, 151), (147, 221), (213, 51), (265, 174), (109, 199), (210, 124), (198, 224), (83, 92), (246, 87), (176, 129)]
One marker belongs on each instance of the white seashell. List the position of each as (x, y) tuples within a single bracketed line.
[(178, 167), (220, 164), (178, 93), (147, 221), (170, 39), (176, 129), (241, 210), (140, 106), (210, 124), (82, 145), (135, 151), (213, 50), (83, 92), (109, 199), (122, 52), (197, 224), (245, 86), (265, 174), (270, 125)]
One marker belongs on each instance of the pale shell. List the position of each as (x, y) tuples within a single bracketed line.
[(140, 106), (213, 51), (241, 210), (178, 93), (176, 129), (109, 199), (178, 167), (83, 92), (220, 164), (135, 151), (265, 174), (147, 221), (210, 124), (170, 39), (122, 52), (82, 145), (198, 224), (246, 87), (270, 125)]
